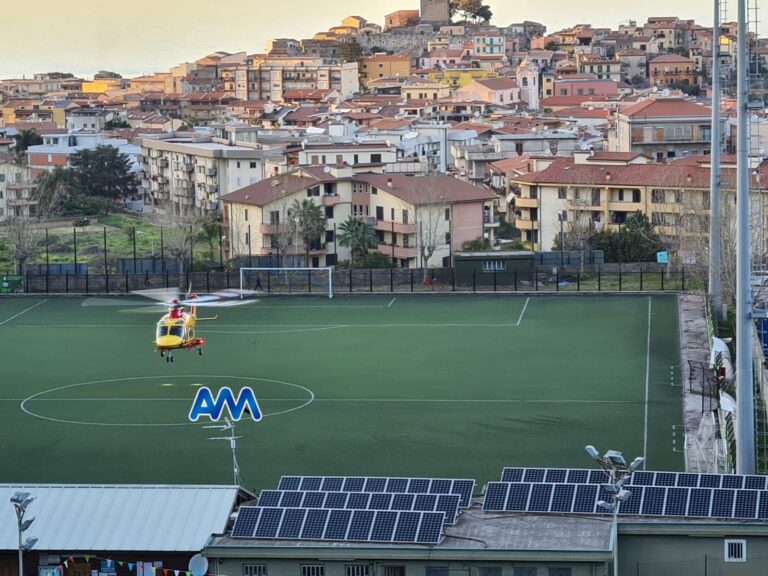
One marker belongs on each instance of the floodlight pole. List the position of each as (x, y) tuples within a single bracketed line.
[(614, 465), (20, 502), (745, 407), (715, 290)]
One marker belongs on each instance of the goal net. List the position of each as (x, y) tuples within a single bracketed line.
[(288, 280)]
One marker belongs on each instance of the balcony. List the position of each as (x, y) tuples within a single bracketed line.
[(526, 224), (269, 228), (399, 251), (331, 199), (396, 227), (491, 221), (577, 205), (162, 162), (625, 206), (21, 202), (526, 202)]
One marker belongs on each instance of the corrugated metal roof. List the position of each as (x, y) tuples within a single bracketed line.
[(118, 517)]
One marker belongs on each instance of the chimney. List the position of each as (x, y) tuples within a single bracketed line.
[(608, 176), (389, 183)]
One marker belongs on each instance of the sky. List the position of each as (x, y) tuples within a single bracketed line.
[(144, 36)]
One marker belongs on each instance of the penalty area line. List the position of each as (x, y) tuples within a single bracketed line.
[(22, 312), (525, 306)]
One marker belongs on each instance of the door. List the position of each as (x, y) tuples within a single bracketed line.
[(379, 213), (315, 262)]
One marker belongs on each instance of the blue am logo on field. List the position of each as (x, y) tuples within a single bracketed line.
[(210, 406)]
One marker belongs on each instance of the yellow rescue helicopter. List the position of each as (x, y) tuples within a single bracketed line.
[(176, 329)]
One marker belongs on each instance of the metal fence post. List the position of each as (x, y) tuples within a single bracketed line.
[(207, 280), (370, 279), (578, 281), (515, 279), (494, 280), (599, 279), (682, 270), (662, 278), (411, 279), (620, 282), (86, 281), (126, 283), (557, 280), (535, 280), (66, 282), (350, 276), (309, 280), (453, 279), (474, 280), (269, 281), (391, 279), (641, 278)]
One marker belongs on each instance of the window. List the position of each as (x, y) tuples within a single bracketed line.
[(312, 570), (314, 191), (357, 570), (2, 177), (562, 193), (405, 216), (375, 158), (735, 551), (494, 265), (395, 570), (329, 212), (563, 92), (246, 214), (254, 570), (657, 196), (524, 571), (253, 165), (447, 237), (274, 217), (446, 261), (447, 214), (489, 571), (560, 571), (436, 571), (238, 164), (329, 235), (392, 214)]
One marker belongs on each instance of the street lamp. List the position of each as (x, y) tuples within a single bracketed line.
[(296, 243), (619, 473), (20, 501)]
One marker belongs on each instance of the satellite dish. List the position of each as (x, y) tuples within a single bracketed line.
[(198, 565), (654, 89), (476, 114), (665, 92), (327, 169), (338, 117), (584, 146)]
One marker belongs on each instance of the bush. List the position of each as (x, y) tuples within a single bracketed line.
[(476, 245)]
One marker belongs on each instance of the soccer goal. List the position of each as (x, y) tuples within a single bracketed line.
[(288, 280)]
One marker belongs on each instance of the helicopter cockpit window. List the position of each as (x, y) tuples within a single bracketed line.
[(162, 330), (177, 331)]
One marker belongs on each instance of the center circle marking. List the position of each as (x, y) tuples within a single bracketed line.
[(30, 412)]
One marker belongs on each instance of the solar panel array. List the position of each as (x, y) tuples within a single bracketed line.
[(339, 524), (463, 488), (405, 502), (679, 494), (644, 501), (640, 478)]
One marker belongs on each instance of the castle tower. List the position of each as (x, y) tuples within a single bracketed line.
[(435, 12)]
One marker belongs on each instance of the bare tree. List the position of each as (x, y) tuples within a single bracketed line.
[(428, 211), (181, 224), (578, 235)]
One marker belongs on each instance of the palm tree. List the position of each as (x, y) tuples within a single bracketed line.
[(357, 235), (309, 222)]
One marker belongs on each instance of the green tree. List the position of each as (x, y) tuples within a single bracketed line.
[(473, 10), (372, 260), (358, 236), (636, 241), (476, 245), (309, 222), (115, 124), (25, 139), (351, 51), (55, 192), (103, 173), (552, 45)]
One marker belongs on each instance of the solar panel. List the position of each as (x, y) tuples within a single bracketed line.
[(534, 475), (518, 497), (384, 526), (722, 504), (381, 501), (360, 526), (709, 481), (313, 500), (762, 509), (269, 521), (375, 484), (403, 501), (687, 480), (407, 527), (430, 528), (541, 494), (512, 475), (665, 479), (358, 500), (425, 502), (732, 481), (245, 524), (397, 485), (754, 482), (311, 483), (746, 504), (496, 496), (293, 519), (269, 498), (289, 483), (585, 498), (290, 499), (643, 479), (464, 488), (314, 524), (632, 504), (699, 502), (677, 502), (418, 485), (336, 500), (448, 504), (332, 484), (562, 498), (578, 476), (354, 484), (555, 475), (338, 523), (441, 487), (653, 501)]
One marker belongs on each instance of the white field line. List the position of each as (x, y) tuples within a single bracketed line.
[(391, 302), (22, 312), (371, 400), (523, 312), (647, 386), (291, 326)]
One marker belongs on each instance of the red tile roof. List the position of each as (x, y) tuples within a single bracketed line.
[(269, 190), (580, 112), (423, 190), (665, 108), (671, 58)]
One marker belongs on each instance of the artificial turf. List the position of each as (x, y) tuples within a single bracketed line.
[(438, 386)]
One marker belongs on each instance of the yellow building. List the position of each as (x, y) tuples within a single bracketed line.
[(101, 85), (460, 77), (385, 66)]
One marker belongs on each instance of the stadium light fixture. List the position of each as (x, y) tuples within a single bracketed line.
[(619, 474), (20, 502)]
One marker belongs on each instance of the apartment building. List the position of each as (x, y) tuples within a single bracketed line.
[(663, 128), (385, 66), (407, 212), (191, 173), (352, 154), (269, 77), (489, 44), (16, 186), (672, 69), (604, 188), (602, 68), (59, 145)]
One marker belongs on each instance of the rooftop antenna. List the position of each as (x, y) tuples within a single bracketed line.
[(228, 425)]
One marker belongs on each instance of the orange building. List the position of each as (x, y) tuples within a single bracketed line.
[(671, 69), (385, 66)]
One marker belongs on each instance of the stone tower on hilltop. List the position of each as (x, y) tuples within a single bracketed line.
[(435, 12)]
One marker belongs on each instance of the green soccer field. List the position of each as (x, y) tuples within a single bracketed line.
[(455, 386)]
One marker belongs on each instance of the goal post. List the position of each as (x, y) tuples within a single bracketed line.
[(287, 280)]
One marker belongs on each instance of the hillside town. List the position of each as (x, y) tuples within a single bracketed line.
[(435, 127)]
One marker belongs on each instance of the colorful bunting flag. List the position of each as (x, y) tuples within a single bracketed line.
[(130, 566)]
